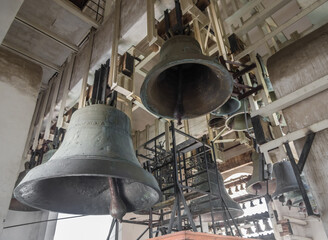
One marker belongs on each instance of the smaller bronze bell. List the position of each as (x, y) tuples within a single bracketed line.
[(285, 178), (249, 230), (241, 120), (257, 185), (267, 226), (185, 83), (229, 108), (202, 206), (216, 122)]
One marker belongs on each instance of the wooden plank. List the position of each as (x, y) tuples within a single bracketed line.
[(52, 105)]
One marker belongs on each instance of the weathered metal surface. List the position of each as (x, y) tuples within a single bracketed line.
[(240, 120), (220, 203), (15, 205), (185, 83), (257, 185), (229, 108), (97, 146), (286, 180)]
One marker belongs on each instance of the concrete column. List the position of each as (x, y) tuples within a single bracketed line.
[(19, 87), (293, 67)]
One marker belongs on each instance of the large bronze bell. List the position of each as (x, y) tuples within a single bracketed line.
[(257, 185), (240, 120), (202, 206), (185, 83), (94, 171), (229, 108), (285, 177)]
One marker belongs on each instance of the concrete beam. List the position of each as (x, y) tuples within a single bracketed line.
[(305, 92), (30, 56), (260, 17), (242, 11), (282, 27), (69, 6), (8, 12), (293, 136), (47, 33)]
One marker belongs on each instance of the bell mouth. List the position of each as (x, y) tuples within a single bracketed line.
[(202, 207), (80, 186), (189, 85), (216, 122), (237, 122), (260, 188), (229, 108)]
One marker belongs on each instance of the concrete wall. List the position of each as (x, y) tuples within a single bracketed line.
[(290, 69), (38, 231), (19, 88)]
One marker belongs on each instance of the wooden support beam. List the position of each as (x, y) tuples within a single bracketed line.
[(66, 82), (55, 92), (282, 27), (86, 70), (112, 77), (151, 30)]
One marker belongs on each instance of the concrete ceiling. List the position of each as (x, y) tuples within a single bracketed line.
[(46, 14)]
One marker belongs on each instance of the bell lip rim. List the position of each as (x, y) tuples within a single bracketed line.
[(25, 183), (250, 190), (237, 213), (222, 115), (234, 115), (276, 194), (162, 66)]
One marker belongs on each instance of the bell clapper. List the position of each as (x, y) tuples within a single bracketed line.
[(179, 107), (117, 208)]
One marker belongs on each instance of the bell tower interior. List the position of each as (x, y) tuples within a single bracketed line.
[(163, 119)]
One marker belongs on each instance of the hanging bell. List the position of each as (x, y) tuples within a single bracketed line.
[(244, 206), (230, 191), (285, 177), (202, 206), (257, 185), (15, 205), (185, 83), (95, 170), (252, 204), (267, 226), (258, 227), (229, 108), (216, 122), (240, 120), (249, 230), (236, 188)]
